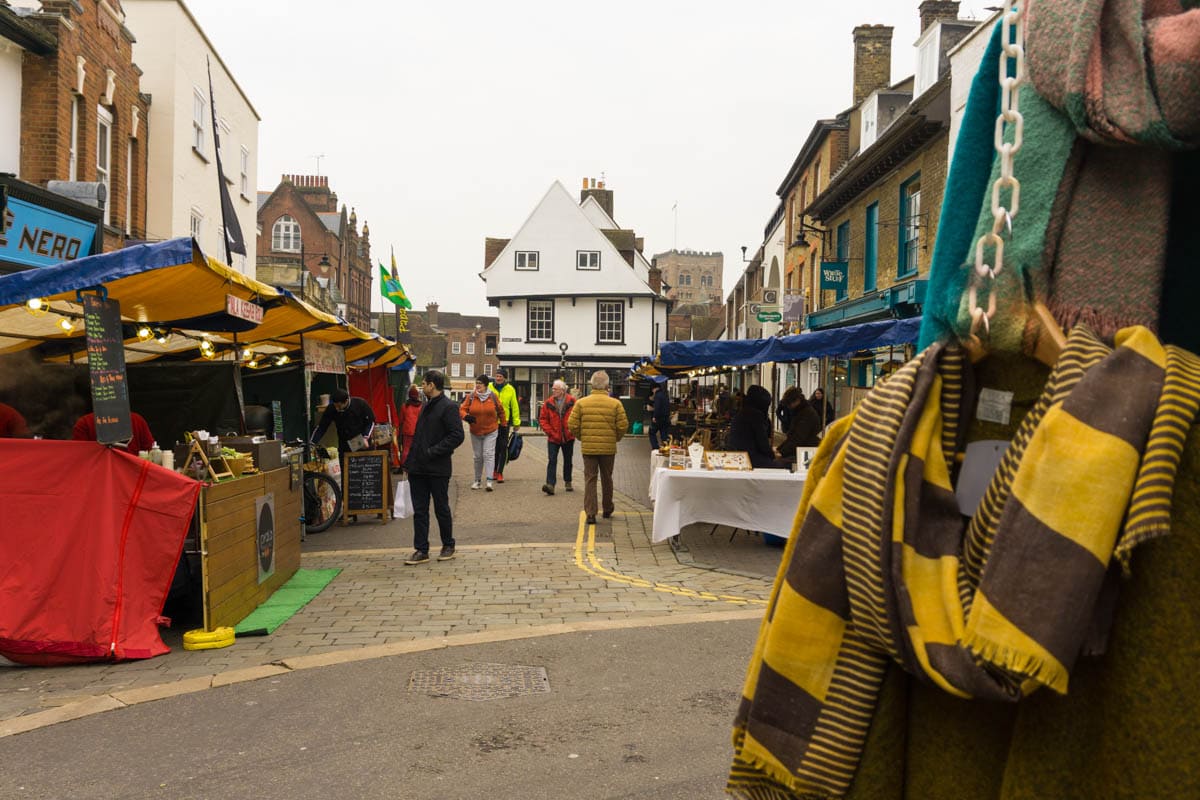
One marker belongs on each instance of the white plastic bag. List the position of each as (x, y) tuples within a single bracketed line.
[(403, 507)]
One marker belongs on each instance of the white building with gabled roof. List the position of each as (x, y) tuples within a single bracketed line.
[(575, 294)]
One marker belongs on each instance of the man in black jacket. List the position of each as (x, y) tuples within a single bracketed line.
[(439, 432), (353, 418)]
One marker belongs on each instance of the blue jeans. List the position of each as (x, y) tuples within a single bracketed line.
[(568, 453), (659, 432), (437, 488)]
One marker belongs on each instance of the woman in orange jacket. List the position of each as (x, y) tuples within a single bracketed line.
[(485, 415), (409, 413)]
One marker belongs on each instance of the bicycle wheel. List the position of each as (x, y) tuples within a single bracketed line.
[(322, 501)]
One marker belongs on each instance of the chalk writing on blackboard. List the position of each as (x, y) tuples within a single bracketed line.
[(106, 368), (365, 487)]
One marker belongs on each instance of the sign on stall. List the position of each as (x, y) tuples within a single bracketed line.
[(243, 309), (106, 368), (324, 357)]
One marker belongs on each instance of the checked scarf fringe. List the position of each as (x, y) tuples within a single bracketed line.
[(883, 567)]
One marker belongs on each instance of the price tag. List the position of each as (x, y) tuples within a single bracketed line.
[(994, 406)]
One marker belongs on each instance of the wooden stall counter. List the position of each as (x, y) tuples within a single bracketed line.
[(250, 540)]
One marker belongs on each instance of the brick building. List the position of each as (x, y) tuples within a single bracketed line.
[(82, 113), (315, 248)]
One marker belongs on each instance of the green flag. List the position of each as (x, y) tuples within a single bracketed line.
[(391, 289)]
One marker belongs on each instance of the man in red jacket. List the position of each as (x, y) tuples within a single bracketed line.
[(553, 421)]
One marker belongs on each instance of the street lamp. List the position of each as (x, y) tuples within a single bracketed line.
[(323, 264), (801, 241)]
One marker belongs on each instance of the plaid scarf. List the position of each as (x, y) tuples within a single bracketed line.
[(1115, 95), (883, 567)]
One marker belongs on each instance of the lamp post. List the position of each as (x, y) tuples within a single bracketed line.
[(323, 264)]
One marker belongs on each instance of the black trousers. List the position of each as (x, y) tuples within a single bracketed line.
[(437, 488), (501, 448)]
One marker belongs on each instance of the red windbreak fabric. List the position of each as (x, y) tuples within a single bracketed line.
[(89, 541), (372, 385)]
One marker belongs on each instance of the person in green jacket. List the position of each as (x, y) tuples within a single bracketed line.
[(598, 422), (508, 401)]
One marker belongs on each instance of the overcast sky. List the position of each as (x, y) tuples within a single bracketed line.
[(444, 123)]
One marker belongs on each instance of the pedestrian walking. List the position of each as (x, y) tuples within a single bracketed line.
[(353, 418), (598, 421), (439, 432), (553, 420), (660, 416), (483, 412), (409, 412), (512, 411)]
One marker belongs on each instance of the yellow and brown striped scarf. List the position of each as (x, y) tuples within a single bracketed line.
[(883, 567)]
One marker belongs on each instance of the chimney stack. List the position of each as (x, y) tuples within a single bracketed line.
[(937, 10), (872, 59), (431, 314), (603, 196)]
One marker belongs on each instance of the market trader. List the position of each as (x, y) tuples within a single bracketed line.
[(512, 410), (12, 424), (352, 417)]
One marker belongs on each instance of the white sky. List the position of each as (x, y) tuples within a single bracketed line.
[(445, 123)]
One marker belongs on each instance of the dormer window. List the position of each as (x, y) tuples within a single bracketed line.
[(929, 50)]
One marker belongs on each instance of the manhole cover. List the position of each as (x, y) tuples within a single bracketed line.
[(480, 681)]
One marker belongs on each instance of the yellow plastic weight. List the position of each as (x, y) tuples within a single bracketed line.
[(201, 639)]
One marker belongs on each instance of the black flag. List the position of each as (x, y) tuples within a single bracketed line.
[(234, 241)]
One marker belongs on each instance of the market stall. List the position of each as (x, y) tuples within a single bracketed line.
[(188, 326)]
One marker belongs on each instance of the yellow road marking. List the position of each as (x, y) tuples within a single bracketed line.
[(585, 542)]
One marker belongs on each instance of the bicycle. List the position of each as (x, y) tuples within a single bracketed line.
[(322, 494)]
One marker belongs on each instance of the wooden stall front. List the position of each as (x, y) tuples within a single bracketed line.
[(230, 525)]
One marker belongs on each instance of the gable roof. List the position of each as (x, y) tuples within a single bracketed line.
[(332, 220)]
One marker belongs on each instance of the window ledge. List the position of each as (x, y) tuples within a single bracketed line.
[(610, 344), (200, 155)]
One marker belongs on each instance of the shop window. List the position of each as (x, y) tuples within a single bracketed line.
[(104, 124), (539, 321), (871, 248), (610, 322), (587, 259), (285, 235), (527, 260), (910, 225)]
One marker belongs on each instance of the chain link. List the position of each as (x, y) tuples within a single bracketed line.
[(1012, 57)]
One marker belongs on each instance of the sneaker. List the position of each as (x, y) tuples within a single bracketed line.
[(499, 477), (489, 486), (547, 488), (446, 554), (591, 520), (475, 485), (417, 557), (567, 486)]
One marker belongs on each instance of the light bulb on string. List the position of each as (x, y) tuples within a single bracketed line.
[(67, 325), (282, 359), (145, 333), (37, 306)]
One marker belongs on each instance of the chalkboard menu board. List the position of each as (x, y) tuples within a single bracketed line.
[(106, 366), (365, 483)]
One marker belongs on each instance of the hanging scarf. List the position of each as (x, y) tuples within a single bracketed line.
[(1115, 96), (883, 567)]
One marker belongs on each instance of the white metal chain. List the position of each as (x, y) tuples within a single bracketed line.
[(1012, 55)]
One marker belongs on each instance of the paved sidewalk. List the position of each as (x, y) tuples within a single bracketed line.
[(527, 566)]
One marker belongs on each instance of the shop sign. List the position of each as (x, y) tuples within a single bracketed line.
[(243, 309), (106, 368), (264, 515), (324, 357), (793, 307), (833, 275), (41, 237), (769, 316)]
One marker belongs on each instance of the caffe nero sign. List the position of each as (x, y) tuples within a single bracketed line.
[(42, 237)]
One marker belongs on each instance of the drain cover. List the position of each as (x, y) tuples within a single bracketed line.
[(480, 681)]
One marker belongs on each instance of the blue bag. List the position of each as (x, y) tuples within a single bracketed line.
[(515, 443)]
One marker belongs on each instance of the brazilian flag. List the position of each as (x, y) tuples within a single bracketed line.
[(391, 289)]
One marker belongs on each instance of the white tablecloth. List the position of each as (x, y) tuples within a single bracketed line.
[(760, 500)]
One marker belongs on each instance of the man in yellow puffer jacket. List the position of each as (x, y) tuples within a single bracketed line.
[(598, 422)]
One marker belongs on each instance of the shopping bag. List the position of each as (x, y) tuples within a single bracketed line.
[(515, 443), (403, 507)]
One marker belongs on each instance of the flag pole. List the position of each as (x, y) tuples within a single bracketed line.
[(216, 152), (395, 308)]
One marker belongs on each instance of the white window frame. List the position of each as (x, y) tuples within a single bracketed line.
[(587, 259), (546, 324), (455, 369), (470, 348), (526, 260), (488, 351), (196, 223), (610, 314), (73, 164), (198, 107), (245, 163), (129, 187), (487, 369), (104, 131), (456, 348), (286, 241)]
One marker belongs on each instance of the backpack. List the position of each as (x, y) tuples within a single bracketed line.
[(515, 443)]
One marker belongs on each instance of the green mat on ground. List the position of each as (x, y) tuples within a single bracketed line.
[(286, 601)]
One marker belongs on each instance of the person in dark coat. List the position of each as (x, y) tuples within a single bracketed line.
[(751, 429), (804, 427), (823, 407), (352, 416), (439, 432), (660, 416)]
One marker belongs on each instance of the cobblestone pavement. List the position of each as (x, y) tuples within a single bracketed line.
[(551, 574)]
